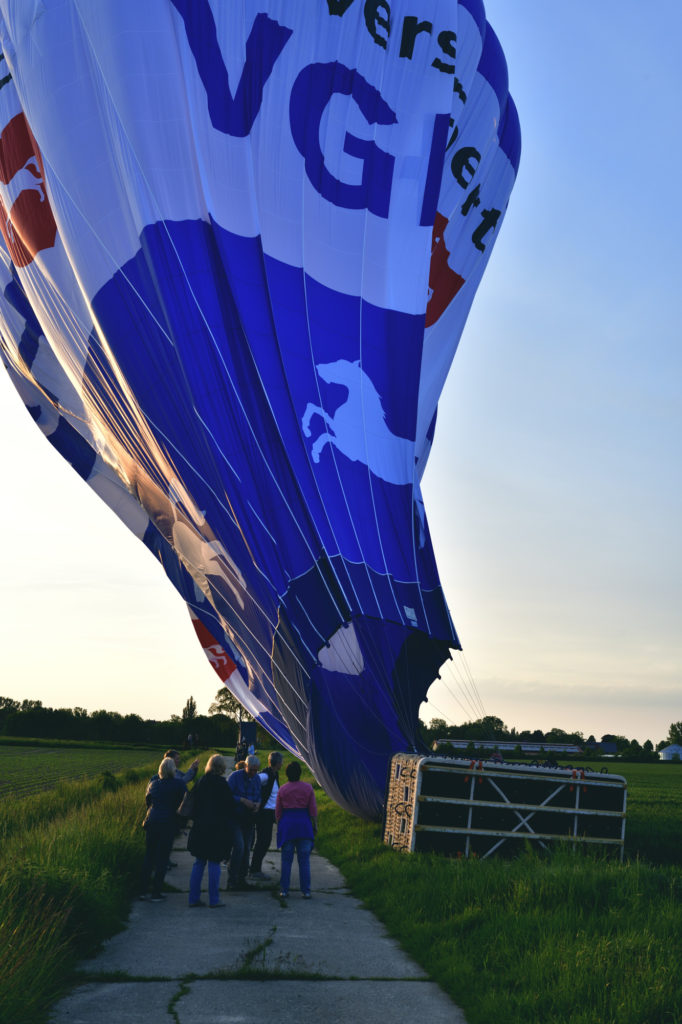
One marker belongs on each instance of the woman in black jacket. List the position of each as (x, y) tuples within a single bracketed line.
[(210, 838)]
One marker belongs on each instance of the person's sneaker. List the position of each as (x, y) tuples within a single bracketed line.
[(199, 903), (283, 895), (157, 898), (307, 896), (214, 906), (260, 876), (143, 896)]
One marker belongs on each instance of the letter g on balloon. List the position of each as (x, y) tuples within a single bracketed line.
[(312, 91)]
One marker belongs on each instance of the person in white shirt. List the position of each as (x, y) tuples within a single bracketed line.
[(265, 819)]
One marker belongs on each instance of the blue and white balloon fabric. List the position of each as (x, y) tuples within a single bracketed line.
[(241, 243)]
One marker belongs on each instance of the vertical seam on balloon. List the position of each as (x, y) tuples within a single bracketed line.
[(316, 484), (376, 657), (219, 354), (219, 447), (362, 386), (322, 406), (395, 691)]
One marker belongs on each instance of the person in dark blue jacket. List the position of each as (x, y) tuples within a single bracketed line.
[(163, 797), (246, 786)]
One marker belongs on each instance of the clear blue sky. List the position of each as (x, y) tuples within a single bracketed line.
[(554, 490)]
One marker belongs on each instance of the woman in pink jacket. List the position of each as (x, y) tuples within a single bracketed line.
[(296, 817)]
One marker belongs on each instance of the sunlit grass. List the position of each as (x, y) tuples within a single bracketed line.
[(571, 937), (19, 815), (537, 940), (69, 861)]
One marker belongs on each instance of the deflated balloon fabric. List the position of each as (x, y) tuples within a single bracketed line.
[(241, 244)]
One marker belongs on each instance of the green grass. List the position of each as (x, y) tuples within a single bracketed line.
[(33, 769), (69, 862), (566, 939), (574, 937), (654, 816), (39, 741)]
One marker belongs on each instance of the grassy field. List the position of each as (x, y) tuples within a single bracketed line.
[(566, 939), (33, 769), (654, 817)]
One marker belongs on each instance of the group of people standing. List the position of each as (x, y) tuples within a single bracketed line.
[(233, 818)]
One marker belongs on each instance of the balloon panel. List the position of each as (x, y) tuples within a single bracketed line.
[(241, 243)]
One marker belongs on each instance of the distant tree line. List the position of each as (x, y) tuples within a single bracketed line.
[(494, 729), (220, 728)]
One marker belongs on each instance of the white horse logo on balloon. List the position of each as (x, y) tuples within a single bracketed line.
[(358, 427)]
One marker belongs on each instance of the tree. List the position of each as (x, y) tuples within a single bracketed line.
[(189, 712), (226, 703), (557, 735), (493, 727), (7, 707), (675, 733)]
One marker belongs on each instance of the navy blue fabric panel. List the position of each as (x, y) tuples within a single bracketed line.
[(510, 134), (357, 722), (493, 66), (30, 337), (28, 346), (477, 12), (74, 448)]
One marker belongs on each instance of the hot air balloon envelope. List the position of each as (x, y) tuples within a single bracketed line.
[(241, 243)]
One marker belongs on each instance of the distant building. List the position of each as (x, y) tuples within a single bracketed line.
[(508, 746), (668, 753), (607, 746)]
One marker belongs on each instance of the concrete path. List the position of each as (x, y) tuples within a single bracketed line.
[(321, 961)]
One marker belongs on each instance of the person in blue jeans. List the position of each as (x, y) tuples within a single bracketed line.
[(210, 838), (246, 787), (296, 817)]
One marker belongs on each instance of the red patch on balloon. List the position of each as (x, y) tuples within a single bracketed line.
[(26, 219), (444, 283), (215, 652)]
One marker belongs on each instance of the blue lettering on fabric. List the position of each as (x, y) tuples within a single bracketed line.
[(312, 91), (435, 171), (232, 115)]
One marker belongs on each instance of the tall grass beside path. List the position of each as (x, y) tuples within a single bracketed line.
[(25, 813), (568, 938), (69, 863)]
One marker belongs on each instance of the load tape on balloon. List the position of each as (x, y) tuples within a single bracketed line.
[(240, 245)]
